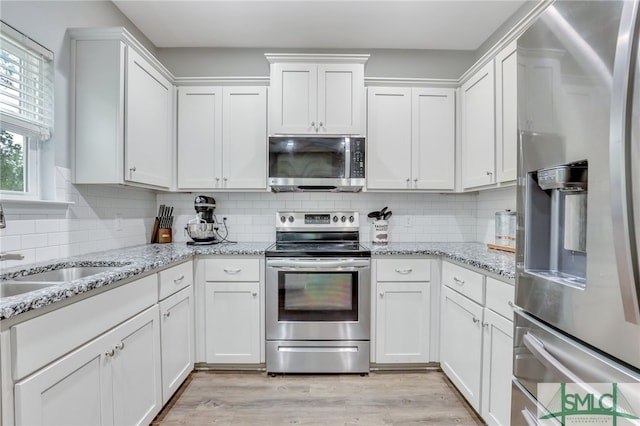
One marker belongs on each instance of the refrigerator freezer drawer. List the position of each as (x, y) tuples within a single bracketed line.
[(543, 355)]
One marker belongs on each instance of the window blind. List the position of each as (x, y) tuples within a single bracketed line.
[(26, 84)]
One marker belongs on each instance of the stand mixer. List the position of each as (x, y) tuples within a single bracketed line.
[(204, 228)]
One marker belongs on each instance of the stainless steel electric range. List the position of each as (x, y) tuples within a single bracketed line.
[(318, 283)]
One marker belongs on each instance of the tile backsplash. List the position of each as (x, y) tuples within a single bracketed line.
[(109, 217), (100, 218), (416, 216)]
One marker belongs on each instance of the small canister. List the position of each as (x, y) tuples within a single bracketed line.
[(380, 230), (506, 228)]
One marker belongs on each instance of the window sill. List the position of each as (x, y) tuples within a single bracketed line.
[(19, 206)]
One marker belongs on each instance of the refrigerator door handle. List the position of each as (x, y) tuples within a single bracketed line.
[(624, 231)]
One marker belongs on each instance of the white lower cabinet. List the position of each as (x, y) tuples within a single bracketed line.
[(233, 311), (114, 379), (476, 340), (177, 332), (402, 311), (461, 344)]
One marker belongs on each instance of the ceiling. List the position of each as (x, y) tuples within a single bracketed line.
[(390, 24)]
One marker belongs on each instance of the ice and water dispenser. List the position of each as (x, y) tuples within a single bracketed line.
[(556, 223)]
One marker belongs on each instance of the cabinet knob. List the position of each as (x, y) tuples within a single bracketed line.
[(217, 180), (408, 180), (254, 294), (381, 294), (320, 124), (485, 324), (167, 314), (313, 124), (132, 169), (120, 346), (475, 320), (110, 352), (489, 173)]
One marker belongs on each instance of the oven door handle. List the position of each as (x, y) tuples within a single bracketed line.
[(317, 264)]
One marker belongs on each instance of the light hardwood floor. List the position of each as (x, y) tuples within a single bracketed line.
[(398, 398)]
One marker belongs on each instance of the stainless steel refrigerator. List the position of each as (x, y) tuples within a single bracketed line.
[(577, 309)]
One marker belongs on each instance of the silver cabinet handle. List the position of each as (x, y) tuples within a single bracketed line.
[(110, 352), (254, 294), (313, 124), (408, 180), (382, 294), (225, 179), (475, 320), (179, 279), (120, 346), (167, 314), (232, 271), (485, 324), (320, 124), (404, 271), (133, 169), (458, 281), (489, 173)]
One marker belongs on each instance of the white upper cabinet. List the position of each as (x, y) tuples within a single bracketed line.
[(317, 94), (411, 138), (506, 113), (122, 111), (222, 137), (478, 128)]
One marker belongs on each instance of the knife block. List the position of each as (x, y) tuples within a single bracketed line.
[(164, 236)]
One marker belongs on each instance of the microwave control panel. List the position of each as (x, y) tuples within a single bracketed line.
[(357, 158)]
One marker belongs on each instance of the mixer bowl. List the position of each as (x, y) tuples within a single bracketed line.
[(202, 231)]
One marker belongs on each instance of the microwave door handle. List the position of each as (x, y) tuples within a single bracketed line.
[(347, 158), (620, 138)]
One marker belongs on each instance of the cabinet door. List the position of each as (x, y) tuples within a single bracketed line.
[(176, 339), (402, 322), (340, 99), (232, 322), (389, 138), (497, 362), (478, 131), (136, 370), (244, 138), (294, 88), (199, 137), (148, 123), (71, 391), (461, 344), (506, 113), (433, 138)]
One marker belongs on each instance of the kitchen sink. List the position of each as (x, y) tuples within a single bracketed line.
[(8, 289), (64, 274)]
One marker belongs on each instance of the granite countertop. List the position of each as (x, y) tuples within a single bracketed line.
[(130, 262), (126, 263), (473, 254)]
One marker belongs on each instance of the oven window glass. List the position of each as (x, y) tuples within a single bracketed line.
[(306, 158), (318, 296)]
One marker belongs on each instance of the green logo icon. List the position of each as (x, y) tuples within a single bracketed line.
[(589, 403)]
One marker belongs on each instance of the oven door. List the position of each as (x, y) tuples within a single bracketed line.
[(318, 299)]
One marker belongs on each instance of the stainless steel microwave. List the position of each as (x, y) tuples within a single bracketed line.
[(307, 163)]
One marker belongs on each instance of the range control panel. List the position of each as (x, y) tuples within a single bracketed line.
[(319, 220)]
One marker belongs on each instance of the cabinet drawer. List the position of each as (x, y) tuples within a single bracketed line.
[(232, 270), (403, 269), (499, 296), (464, 281), (174, 279)]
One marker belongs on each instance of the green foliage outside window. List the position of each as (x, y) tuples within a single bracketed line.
[(11, 163)]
